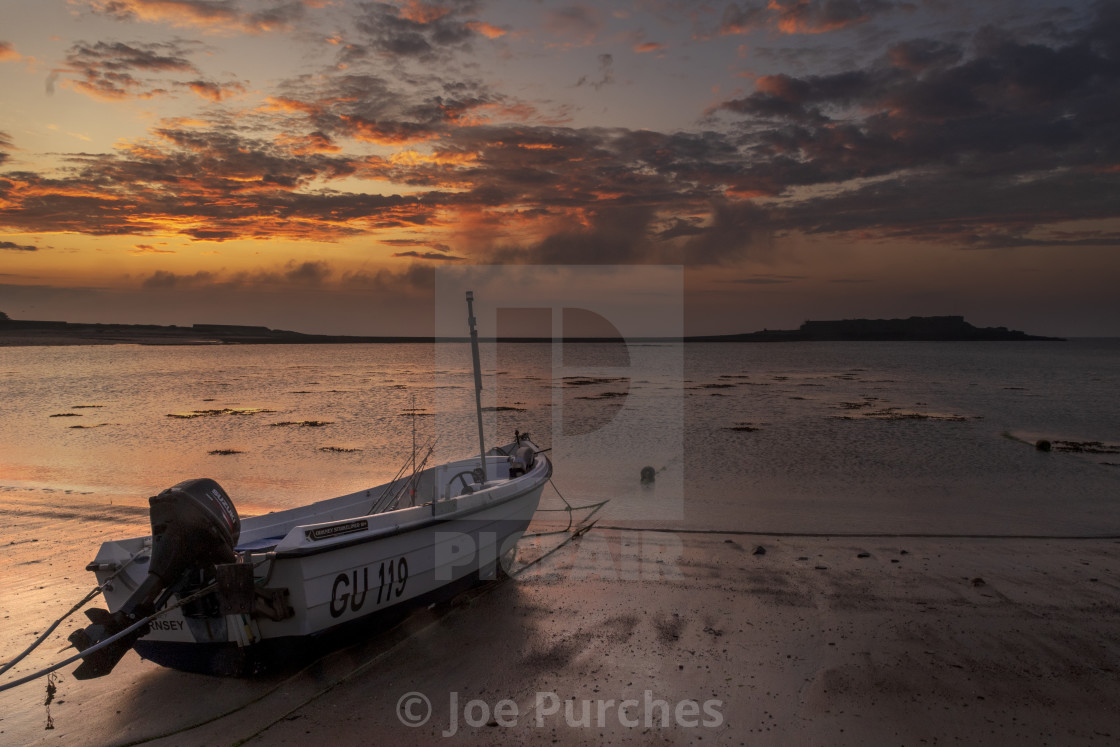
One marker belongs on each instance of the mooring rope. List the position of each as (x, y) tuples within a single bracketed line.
[(110, 640), (569, 508), (71, 611)]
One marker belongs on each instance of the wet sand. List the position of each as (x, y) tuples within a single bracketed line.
[(921, 640)]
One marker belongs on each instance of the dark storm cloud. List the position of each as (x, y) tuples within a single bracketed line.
[(983, 145), (953, 133), (108, 69), (12, 246), (372, 108), (921, 54), (417, 276), (162, 279), (605, 75), (214, 91), (434, 250), (428, 255), (442, 248), (422, 31), (116, 70), (988, 213), (309, 273), (614, 235), (292, 276)]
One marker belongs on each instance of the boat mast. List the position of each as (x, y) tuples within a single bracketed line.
[(477, 379)]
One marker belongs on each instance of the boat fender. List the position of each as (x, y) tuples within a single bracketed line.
[(522, 461)]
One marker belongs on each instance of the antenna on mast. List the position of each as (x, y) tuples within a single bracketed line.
[(477, 379)]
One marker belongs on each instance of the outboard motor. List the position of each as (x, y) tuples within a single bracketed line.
[(194, 526)]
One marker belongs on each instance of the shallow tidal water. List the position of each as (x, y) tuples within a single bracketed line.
[(804, 437)]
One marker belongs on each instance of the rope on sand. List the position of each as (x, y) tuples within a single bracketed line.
[(569, 508), (108, 641), (58, 622)]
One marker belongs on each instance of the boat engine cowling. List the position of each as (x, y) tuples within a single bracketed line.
[(194, 527), (194, 523)]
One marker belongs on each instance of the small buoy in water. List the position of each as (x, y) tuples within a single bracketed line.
[(1042, 445), (649, 474)]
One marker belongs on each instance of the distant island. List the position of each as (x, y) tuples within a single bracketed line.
[(916, 328)]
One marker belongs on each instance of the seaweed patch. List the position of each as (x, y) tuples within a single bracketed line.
[(214, 413), (603, 395), (1085, 447), (589, 380)]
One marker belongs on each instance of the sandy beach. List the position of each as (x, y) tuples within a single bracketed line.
[(627, 636)]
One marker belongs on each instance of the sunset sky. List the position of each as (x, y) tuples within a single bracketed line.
[(305, 164)]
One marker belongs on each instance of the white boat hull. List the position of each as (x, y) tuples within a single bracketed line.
[(342, 568)]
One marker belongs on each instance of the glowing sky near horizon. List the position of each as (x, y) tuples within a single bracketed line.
[(305, 165)]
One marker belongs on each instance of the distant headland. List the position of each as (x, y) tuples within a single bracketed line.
[(916, 328)]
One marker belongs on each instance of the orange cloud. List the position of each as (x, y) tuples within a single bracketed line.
[(815, 17), (421, 12), (396, 133), (8, 53), (800, 16), (302, 145), (648, 47), (285, 104), (488, 30), (441, 158), (211, 16), (215, 91)]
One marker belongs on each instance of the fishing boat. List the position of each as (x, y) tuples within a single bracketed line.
[(209, 591)]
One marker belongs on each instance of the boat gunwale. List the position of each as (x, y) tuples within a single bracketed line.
[(397, 529)]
